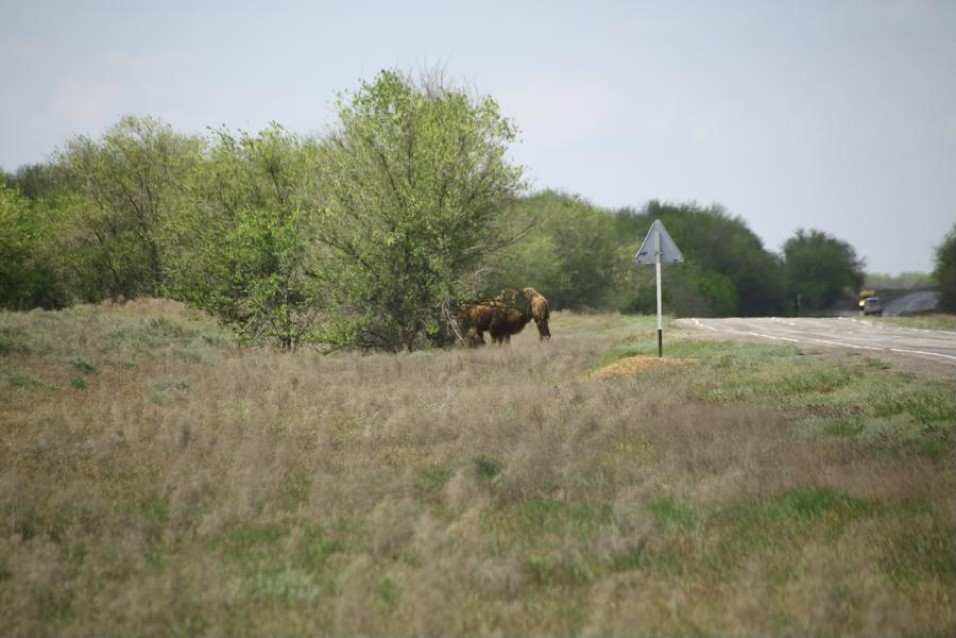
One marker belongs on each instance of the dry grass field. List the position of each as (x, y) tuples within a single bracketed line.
[(157, 480)]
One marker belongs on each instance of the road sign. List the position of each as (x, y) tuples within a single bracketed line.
[(658, 243), (658, 248)]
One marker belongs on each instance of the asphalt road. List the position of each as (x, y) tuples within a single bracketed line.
[(912, 303), (844, 332)]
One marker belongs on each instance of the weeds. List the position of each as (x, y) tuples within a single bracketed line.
[(194, 488)]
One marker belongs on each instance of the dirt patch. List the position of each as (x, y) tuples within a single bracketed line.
[(634, 365)]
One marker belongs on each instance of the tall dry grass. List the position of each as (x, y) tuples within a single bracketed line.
[(157, 480)]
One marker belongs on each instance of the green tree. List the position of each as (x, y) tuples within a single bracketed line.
[(944, 272), (244, 249), (26, 277), (415, 182), (124, 188), (36, 181), (821, 269), (570, 254)]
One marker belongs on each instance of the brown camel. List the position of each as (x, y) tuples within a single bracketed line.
[(504, 316), (540, 312)]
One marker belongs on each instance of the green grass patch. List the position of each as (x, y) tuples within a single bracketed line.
[(895, 412), (433, 478), (670, 512), (23, 379), (13, 340), (910, 556), (81, 333), (487, 468), (540, 521), (926, 322), (389, 591), (296, 490), (772, 525), (564, 571), (318, 548), (274, 572), (249, 542), (82, 365), (926, 403)]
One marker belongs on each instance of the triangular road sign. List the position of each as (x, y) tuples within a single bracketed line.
[(658, 242)]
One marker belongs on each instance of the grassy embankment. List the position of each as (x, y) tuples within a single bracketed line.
[(156, 480)]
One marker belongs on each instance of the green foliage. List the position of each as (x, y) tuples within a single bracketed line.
[(487, 467), (121, 191), (821, 269), (570, 255), (944, 272), (35, 181), (15, 245), (415, 180), (26, 278), (694, 291), (244, 249)]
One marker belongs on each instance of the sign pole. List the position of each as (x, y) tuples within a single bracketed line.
[(658, 248), (660, 325)]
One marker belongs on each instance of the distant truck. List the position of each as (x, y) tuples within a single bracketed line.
[(863, 296)]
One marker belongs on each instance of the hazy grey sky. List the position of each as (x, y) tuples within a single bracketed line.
[(834, 115)]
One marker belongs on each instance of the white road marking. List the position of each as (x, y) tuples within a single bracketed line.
[(931, 354)]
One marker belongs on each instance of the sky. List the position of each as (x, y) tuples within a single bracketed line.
[(829, 115)]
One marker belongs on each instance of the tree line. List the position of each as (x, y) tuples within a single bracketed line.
[(372, 235)]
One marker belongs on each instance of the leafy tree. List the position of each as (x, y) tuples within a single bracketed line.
[(26, 279), (244, 249), (35, 181), (570, 255), (820, 268), (124, 187), (415, 182), (944, 272), (15, 246)]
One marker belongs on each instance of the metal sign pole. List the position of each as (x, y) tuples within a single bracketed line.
[(665, 251), (660, 325)]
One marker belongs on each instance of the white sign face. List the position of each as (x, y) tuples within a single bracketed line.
[(658, 243)]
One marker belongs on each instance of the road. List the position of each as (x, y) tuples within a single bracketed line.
[(912, 303), (844, 332)]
